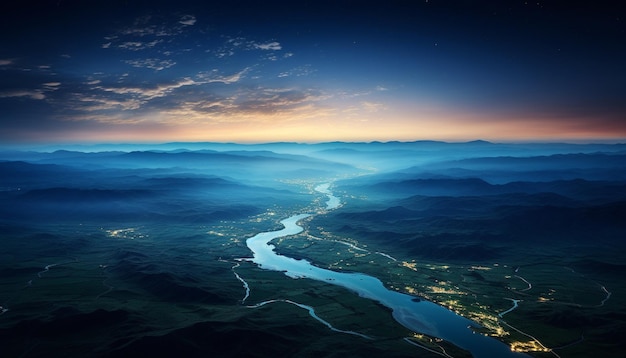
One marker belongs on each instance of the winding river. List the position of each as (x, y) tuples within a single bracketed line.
[(414, 313)]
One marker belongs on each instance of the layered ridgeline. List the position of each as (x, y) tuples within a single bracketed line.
[(538, 236), (136, 249), (104, 250), (184, 186)]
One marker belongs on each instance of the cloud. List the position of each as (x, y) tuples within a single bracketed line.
[(5, 62), (372, 106), (148, 31), (214, 76), (273, 46), (51, 86), (230, 46), (203, 106), (188, 20), (162, 90), (234, 44), (92, 104), (297, 72), (263, 102), (150, 93), (152, 63), (252, 106), (37, 94), (138, 45), (142, 27), (224, 53)]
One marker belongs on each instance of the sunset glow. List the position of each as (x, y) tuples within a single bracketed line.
[(400, 71)]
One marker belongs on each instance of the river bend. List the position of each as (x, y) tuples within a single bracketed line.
[(414, 313)]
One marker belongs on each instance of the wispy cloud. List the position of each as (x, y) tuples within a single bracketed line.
[(253, 104), (152, 92), (299, 71), (151, 63), (142, 26), (214, 76), (188, 20), (139, 45), (51, 86), (111, 98), (147, 32), (230, 47), (372, 106), (93, 103), (197, 101), (273, 46), (162, 90), (36, 94), (190, 87), (273, 100), (233, 45)]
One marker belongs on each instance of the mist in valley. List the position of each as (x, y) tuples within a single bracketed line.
[(137, 248)]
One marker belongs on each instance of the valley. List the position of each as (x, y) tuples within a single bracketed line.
[(113, 253)]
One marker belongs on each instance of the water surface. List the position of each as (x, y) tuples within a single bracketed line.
[(412, 312)]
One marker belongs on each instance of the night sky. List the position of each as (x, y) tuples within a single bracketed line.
[(308, 71)]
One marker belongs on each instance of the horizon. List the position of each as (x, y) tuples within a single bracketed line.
[(147, 146)]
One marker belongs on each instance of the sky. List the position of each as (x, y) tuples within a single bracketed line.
[(311, 71)]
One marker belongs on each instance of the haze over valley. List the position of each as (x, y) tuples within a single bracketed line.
[(312, 178), (119, 252)]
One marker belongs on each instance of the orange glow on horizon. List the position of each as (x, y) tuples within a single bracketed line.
[(309, 125), (364, 131)]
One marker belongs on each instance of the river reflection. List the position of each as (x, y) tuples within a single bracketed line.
[(413, 313)]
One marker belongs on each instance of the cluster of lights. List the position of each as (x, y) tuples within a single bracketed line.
[(445, 290), (453, 305), (410, 265), (438, 267), (413, 266), (489, 322), (531, 346)]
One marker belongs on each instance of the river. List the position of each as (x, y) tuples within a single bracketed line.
[(414, 313)]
